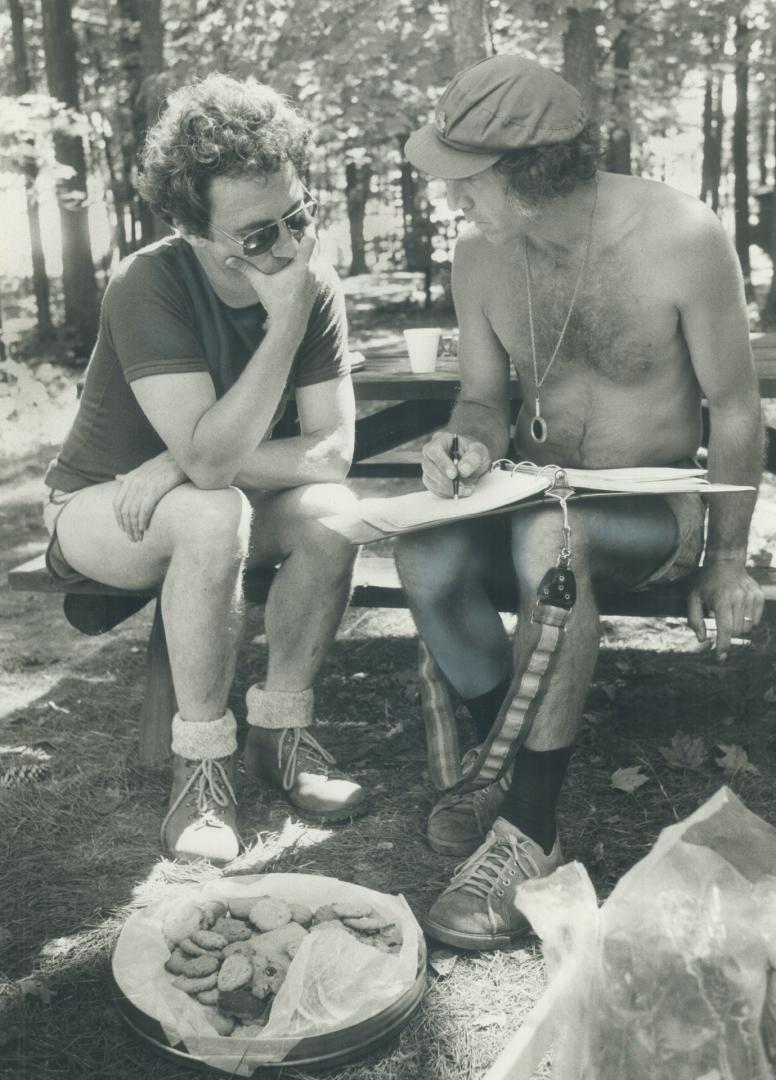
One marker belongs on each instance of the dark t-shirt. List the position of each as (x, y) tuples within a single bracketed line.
[(160, 315)]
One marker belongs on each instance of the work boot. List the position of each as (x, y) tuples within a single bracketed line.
[(477, 910), (281, 752), (458, 824), (201, 821)]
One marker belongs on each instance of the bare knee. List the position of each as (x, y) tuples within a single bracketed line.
[(537, 540), (213, 526), (432, 564)]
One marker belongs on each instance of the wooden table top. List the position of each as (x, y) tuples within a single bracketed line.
[(387, 377)]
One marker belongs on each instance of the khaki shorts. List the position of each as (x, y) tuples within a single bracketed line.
[(689, 510), (56, 563)]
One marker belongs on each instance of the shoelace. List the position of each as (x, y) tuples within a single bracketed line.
[(480, 873), (213, 786), (310, 747)]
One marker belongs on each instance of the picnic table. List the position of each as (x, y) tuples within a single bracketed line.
[(415, 405)]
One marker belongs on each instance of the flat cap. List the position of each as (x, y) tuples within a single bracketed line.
[(499, 104)]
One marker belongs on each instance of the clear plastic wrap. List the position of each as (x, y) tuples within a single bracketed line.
[(674, 977), (334, 981)]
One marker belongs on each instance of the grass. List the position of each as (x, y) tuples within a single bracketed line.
[(79, 850)]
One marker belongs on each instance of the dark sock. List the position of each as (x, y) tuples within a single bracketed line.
[(533, 794), (484, 709)]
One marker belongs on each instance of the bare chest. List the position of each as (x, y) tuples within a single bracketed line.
[(622, 327)]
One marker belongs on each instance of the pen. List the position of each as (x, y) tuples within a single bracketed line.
[(455, 457)]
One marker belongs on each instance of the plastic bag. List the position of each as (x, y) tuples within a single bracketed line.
[(674, 977), (333, 982)]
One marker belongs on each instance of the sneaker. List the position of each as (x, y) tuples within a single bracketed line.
[(201, 822), (477, 910), (294, 762), (457, 825)]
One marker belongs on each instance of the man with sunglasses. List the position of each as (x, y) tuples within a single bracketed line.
[(169, 476)]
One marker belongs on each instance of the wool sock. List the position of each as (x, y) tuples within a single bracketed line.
[(485, 708), (532, 799)]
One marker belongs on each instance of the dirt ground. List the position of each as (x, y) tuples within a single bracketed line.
[(80, 818)]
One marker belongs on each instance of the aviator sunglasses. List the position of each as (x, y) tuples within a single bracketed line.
[(265, 237)]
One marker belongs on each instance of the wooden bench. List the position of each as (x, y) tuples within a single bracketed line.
[(93, 608)]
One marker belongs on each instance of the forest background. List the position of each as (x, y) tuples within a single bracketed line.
[(684, 91)]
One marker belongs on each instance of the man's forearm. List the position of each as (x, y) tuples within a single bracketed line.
[(242, 417), (735, 457), (287, 463), (485, 423)]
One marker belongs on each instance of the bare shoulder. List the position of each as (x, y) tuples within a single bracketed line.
[(666, 216)]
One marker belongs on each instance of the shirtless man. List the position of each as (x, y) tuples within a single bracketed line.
[(169, 478), (619, 303)]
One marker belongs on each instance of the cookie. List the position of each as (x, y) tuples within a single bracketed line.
[(196, 966), (278, 940), (261, 987), (269, 914), (301, 914), (236, 972), (231, 929), (367, 924), (252, 1030), (240, 906), (244, 947), (208, 997), (190, 947), (195, 985), (240, 1003), (352, 909), (176, 962), (209, 939)]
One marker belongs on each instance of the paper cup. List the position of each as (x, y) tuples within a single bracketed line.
[(422, 347)]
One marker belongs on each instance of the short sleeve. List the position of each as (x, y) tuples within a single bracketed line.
[(148, 321), (323, 354)]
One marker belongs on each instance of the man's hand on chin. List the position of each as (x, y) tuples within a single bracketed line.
[(726, 591)]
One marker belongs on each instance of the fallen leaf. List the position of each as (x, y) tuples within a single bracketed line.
[(443, 961), (735, 759), (628, 779), (685, 752)]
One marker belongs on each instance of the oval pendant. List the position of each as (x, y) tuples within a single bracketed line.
[(538, 429)]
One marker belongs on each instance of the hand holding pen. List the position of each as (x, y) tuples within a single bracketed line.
[(453, 464)]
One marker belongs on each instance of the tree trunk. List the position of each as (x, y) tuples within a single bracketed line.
[(357, 181), (716, 145), (80, 286), (417, 239), (707, 125), (580, 55), (619, 150), (22, 85), (764, 133), (740, 148), (469, 31), (150, 97)]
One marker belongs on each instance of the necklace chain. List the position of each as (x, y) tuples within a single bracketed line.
[(537, 381)]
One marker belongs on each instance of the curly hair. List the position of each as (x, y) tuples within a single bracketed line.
[(540, 172), (217, 127)]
